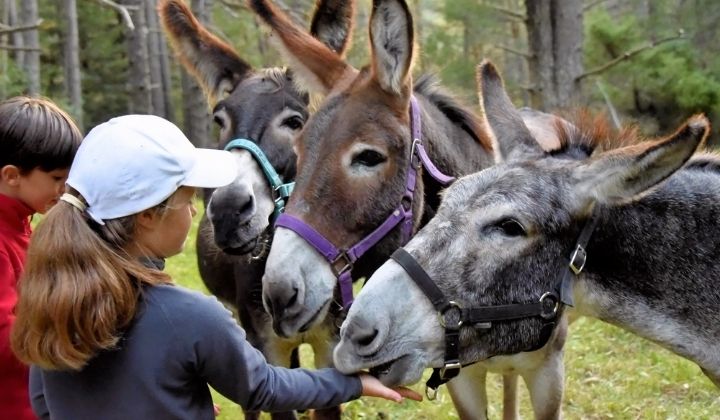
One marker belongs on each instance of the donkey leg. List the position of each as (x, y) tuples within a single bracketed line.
[(511, 409), (715, 378), (468, 392), (545, 381), (323, 347), (280, 353)]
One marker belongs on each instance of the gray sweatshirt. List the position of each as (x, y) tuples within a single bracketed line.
[(180, 342)]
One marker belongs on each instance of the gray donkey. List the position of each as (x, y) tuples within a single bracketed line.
[(636, 225)]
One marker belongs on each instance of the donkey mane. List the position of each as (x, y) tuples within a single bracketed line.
[(589, 133), (428, 85), (705, 161)]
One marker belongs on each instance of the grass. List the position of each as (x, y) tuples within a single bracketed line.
[(609, 374)]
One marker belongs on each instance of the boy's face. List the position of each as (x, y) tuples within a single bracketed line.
[(40, 190)]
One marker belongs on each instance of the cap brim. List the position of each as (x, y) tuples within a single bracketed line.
[(212, 169)]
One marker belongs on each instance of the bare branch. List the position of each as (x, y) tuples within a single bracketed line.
[(592, 4), (611, 107), (508, 13), (10, 29), (631, 53), (14, 48), (514, 51), (230, 4), (122, 10)]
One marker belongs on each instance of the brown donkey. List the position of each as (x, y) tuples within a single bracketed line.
[(266, 109), (360, 192)]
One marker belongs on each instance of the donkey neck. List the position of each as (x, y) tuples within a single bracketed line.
[(452, 146), (653, 265)]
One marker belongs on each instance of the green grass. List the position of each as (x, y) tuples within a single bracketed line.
[(609, 374)]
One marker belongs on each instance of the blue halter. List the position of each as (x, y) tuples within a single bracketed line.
[(281, 191)]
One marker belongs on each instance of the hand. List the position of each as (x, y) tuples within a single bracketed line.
[(216, 410), (372, 387)]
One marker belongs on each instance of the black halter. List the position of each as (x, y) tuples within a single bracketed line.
[(452, 315)]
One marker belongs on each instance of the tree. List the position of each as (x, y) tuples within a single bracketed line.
[(30, 39), (555, 38), (71, 59), (196, 116)]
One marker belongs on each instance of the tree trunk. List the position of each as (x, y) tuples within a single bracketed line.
[(157, 87), (555, 34), (139, 75), (31, 61), (71, 59), (16, 38), (195, 107)]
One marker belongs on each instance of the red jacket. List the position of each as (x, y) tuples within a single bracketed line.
[(14, 239)]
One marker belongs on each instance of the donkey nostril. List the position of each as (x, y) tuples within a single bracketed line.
[(246, 208), (368, 338), (293, 298)]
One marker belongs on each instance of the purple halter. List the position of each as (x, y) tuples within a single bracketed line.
[(342, 261)]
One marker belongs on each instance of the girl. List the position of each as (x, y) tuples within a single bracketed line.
[(107, 333)]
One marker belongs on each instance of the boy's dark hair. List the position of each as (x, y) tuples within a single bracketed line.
[(34, 132)]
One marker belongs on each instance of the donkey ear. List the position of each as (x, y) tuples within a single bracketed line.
[(622, 174), (316, 65), (391, 38), (511, 138), (215, 65), (332, 24)]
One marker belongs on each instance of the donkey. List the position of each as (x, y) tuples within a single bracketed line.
[(266, 107), (628, 236), (356, 163)]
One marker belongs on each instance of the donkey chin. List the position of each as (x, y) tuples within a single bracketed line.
[(406, 369)]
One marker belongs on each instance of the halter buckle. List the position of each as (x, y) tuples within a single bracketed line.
[(443, 319), (343, 259), (578, 259), (414, 156), (451, 365)]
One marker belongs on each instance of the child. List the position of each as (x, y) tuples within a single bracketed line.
[(107, 333), (37, 144)]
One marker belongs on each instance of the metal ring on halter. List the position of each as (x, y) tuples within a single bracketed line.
[(431, 393), (555, 306), (441, 316)]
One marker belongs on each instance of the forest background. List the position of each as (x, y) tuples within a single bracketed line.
[(650, 62), (646, 62)]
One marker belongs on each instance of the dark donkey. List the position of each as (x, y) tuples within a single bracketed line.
[(266, 109), (360, 192), (629, 236)]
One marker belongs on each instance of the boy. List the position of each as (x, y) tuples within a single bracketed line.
[(37, 144)]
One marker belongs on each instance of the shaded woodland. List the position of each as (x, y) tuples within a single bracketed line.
[(639, 61)]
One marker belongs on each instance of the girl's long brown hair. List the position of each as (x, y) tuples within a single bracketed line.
[(79, 290)]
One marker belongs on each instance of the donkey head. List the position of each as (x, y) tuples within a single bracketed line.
[(352, 158), (263, 106), (501, 236)]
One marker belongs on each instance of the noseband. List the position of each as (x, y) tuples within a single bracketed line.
[(341, 261), (280, 191), (452, 315)]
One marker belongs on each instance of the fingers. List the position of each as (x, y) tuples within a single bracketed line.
[(409, 393), (374, 388)]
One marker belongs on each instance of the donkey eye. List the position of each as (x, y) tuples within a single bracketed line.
[(219, 121), (293, 123), (509, 227), (368, 158)]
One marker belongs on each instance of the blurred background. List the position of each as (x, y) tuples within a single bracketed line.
[(650, 62)]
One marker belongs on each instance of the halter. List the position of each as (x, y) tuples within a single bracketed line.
[(281, 191), (452, 315), (341, 261)]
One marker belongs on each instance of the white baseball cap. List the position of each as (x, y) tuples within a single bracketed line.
[(135, 162)]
